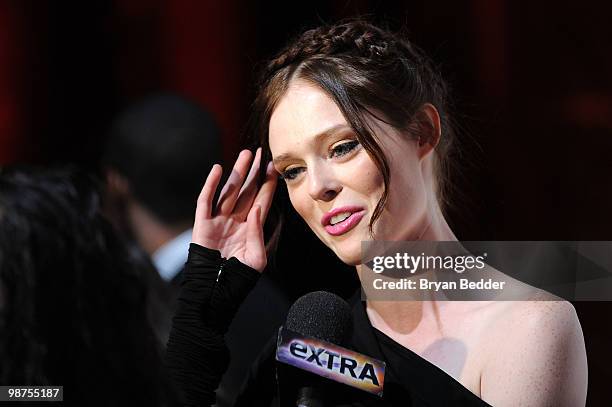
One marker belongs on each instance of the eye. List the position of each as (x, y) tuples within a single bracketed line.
[(343, 149), (291, 173)]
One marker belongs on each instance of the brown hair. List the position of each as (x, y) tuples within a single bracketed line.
[(366, 71)]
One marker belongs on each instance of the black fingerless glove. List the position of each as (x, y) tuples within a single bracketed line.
[(211, 293)]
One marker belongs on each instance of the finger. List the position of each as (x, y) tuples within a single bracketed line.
[(266, 192), (229, 193), (248, 190), (251, 178), (204, 204), (255, 246)]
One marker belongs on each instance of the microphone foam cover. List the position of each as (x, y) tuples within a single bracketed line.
[(321, 315)]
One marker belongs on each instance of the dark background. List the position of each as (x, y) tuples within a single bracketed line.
[(531, 82)]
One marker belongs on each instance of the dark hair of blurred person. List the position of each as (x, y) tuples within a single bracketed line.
[(73, 303), (157, 157)]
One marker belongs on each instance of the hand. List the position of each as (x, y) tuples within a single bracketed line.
[(234, 226)]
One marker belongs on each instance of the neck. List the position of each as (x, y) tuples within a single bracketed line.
[(436, 227), (150, 232), (405, 316)]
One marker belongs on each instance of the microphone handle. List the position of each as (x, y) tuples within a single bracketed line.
[(309, 397)]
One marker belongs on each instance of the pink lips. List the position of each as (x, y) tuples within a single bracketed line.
[(347, 224)]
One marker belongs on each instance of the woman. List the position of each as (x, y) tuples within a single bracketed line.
[(355, 120)]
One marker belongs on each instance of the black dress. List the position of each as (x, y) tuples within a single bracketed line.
[(213, 289)]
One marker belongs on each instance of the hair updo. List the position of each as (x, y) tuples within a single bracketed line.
[(366, 71)]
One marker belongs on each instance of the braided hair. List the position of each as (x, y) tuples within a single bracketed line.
[(366, 70)]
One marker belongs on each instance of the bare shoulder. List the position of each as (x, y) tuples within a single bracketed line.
[(532, 312), (535, 348), (542, 317), (509, 327)]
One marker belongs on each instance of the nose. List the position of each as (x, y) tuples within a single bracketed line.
[(322, 184)]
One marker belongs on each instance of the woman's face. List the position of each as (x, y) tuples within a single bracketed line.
[(332, 181)]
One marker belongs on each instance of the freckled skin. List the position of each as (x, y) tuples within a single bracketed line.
[(541, 352), (513, 353)]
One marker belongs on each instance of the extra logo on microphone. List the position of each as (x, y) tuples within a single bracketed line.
[(330, 361)]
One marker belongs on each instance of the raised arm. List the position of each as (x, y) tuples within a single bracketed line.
[(225, 259)]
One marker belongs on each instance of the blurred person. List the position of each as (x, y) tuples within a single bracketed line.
[(73, 298), (157, 154)]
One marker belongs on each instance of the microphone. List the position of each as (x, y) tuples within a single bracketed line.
[(318, 325)]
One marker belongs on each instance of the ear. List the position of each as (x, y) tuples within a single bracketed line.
[(429, 129)]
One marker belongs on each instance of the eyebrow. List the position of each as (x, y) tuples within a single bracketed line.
[(322, 135)]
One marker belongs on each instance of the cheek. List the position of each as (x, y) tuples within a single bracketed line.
[(301, 202), (366, 177)]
